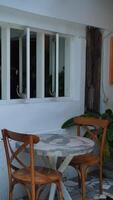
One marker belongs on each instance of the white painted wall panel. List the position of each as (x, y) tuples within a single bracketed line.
[(45, 116), (91, 12), (32, 118), (37, 117), (3, 174), (106, 87)]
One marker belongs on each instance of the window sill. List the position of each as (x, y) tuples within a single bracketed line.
[(37, 100)]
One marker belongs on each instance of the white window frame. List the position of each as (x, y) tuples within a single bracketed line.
[(5, 48)]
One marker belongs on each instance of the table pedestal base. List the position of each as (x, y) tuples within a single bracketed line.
[(62, 168)]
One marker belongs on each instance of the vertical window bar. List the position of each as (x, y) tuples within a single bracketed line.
[(57, 63), (20, 64), (40, 87), (5, 41), (28, 62)]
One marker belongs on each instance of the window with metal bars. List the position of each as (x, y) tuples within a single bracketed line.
[(37, 64)]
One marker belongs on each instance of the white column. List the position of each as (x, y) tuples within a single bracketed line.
[(40, 71), (77, 69), (5, 46), (57, 64), (28, 62)]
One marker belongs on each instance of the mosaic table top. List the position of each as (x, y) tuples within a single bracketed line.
[(63, 145)]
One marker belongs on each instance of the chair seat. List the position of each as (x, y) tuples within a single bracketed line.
[(42, 175), (87, 159)]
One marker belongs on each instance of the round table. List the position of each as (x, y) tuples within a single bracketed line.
[(62, 145)]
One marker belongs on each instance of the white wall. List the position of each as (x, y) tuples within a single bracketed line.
[(106, 87), (44, 116), (37, 117), (34, 116), (61, 16), (91, 12)]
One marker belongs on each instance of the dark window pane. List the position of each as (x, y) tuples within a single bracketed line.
[(24, 67), (50, 65), (14, 63), (18, 64), (32, 65), (61, 66)]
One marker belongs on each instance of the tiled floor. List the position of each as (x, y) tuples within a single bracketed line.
[(92, 189), (92, 185)]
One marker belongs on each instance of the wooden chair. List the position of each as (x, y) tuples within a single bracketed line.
[(82, 162), (33, 178)]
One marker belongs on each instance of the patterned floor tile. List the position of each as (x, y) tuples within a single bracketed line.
[(92, 186)]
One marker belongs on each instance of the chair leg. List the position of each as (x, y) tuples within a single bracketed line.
[(100, 177), (38, 191), (79, 177), (28, 190), (83, 179), (59, 191), (28, 194), (10, 195), (11, 186), (33, 192)]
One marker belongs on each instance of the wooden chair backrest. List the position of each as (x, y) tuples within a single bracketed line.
[(13, 153), (96, 123)]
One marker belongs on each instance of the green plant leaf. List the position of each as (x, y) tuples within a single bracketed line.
[(109, 111), (106, 153), (110, 133), (68, 123)]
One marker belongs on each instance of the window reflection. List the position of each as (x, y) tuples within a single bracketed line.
[(14, 62), (32, 64), (61, 66), (50, 65)]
